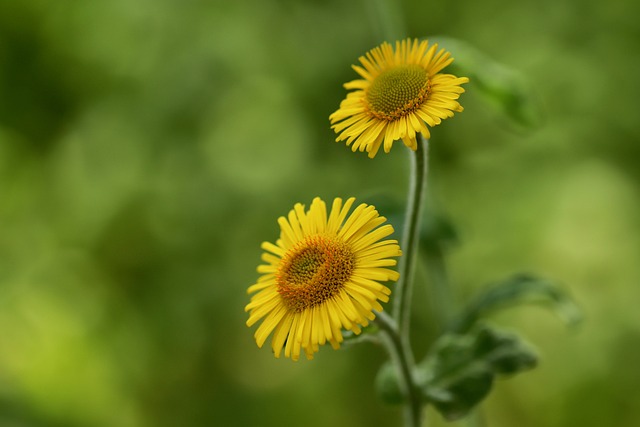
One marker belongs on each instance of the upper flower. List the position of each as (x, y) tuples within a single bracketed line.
[(401, 91), (321, 276)]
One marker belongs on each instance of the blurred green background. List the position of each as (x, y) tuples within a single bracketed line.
[(147, 148)]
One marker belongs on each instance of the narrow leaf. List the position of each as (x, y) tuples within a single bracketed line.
[(517, 290), (502, 87), (460, 370)]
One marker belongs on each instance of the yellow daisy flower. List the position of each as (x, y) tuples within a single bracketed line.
[(322, 275), (401, 91)]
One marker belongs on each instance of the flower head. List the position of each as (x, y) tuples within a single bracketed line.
[(400, 91), (322, 275)]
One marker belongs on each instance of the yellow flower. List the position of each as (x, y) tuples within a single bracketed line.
[(321, 276), (401, 91)]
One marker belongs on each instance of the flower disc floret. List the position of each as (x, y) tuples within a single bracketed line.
[(398, 91), (313, 272)]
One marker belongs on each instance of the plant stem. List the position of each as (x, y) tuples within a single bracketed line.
[(396, 329), (401, 355), (411, 235)]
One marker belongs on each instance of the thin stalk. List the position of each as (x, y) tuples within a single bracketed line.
[(411, 235), (396, 329), (402, 357)]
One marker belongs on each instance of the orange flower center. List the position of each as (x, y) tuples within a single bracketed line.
[(397, 92), (314, 271)]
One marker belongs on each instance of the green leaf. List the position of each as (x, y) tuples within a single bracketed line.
[(460, 370), (505, 353), (500, 86), (453, 381), (388, 384), (516, 290)]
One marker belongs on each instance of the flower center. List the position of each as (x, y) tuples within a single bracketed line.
[(313, 271), (397, 92)]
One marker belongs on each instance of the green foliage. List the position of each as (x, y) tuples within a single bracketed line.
[(519, 289), (502, 87), (461, 366), (460, 370), (388, 384)]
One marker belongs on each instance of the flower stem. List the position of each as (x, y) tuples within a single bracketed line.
[(411, 235), (402, 357), (396, 329)]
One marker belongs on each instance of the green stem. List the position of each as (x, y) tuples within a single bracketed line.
[(411, 235), (397, 328), (401, 355)]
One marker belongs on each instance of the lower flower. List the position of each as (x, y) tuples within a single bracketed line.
[(322, 276)]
